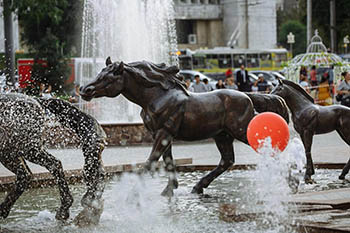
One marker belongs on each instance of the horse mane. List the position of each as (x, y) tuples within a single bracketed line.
[(299, 89), (151, 74)]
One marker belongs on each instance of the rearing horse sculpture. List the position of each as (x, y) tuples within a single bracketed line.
[(170, 112), (310, 119)]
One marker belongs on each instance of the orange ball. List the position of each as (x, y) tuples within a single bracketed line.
[(268, 124)]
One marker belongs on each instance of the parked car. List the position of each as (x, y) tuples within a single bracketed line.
[(278, 75), (189, 74), (269, 76), (216, 76), (253, 77)]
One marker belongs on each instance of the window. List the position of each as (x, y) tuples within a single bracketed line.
[(238, 60), (252, 60), (265, 60), (183, 29), (225, 61)]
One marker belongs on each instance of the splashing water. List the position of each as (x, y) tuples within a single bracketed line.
[(125, 30), (277, 176), (133, 203)]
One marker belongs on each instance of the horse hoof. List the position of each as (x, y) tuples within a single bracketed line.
[(197, 190), (167, 192), (341, 177), (62, 215), (309, 181), (4, 214)]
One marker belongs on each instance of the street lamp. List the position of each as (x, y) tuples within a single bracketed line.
[(291, 41), (346, 42)]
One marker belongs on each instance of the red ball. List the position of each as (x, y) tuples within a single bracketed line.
[(268, 124)]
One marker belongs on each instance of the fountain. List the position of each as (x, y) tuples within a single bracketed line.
[(133, 203), (125, 30)]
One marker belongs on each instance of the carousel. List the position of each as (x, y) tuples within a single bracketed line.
[(316, 55)]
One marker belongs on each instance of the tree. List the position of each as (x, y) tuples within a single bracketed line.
[(321, 19), (299, 31), (49, 30)]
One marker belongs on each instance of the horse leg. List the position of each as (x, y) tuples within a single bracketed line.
[(344, 133), (345, 170), (54, 166), (94, 175), (171, 169), (224, 143), (307, 137), (23, 177), (162, 143)]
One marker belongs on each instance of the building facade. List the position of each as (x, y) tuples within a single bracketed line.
[(245, 24)]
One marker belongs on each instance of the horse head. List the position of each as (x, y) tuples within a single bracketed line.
[(279, 89), (108, 83)]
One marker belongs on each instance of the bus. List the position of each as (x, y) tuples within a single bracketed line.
[(222, 58)]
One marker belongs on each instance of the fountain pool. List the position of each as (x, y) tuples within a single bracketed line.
[(133, 204)]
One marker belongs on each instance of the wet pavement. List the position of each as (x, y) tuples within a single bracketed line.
[(327, 148)]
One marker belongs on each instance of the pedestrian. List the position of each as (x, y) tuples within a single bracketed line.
[(344, 90), (263, 86), (207, 85), (302, 73), (228, 73), (188, 85), (198, 86), (331, 75), (230, 84), (255, 87), (74, 98), (45, 91), (220, 84), (324, 92), (313, 76), (305, 84), (243, 80)]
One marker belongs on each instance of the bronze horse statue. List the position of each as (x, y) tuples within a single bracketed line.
[(92, 139), (310, 119), (170, 112), (22, 124)]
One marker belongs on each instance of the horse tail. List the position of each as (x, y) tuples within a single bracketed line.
[(269, 103)]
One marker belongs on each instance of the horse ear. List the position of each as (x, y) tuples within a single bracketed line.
[(108, 61), (280, 81), (120, 68)]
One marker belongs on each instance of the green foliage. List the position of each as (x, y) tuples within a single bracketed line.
[(299, 31), (49, 29), (321, 20), (17, 56)]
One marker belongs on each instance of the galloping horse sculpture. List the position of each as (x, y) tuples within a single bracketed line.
[(22, 123), (92, 140), (170, 112), (310, 119)]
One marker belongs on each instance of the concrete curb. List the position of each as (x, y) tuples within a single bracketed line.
[(75, 176)]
